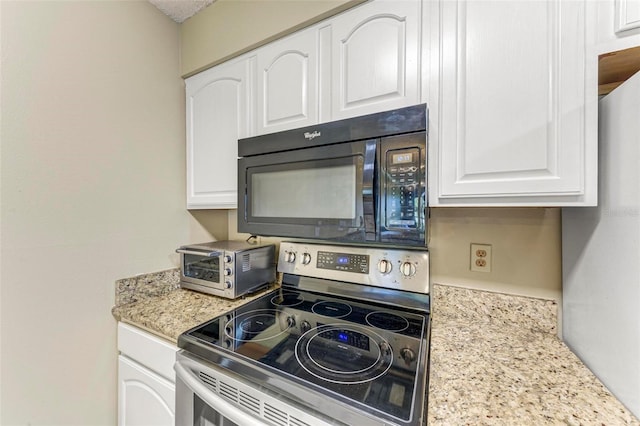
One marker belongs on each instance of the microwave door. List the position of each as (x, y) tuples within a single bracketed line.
[(321, 192)]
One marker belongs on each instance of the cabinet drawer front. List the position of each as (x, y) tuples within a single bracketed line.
[(154, 353)]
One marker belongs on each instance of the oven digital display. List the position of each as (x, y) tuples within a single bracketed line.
[(347, 262)]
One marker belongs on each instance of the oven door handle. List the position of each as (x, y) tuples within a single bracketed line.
[(225, 408), (199, 253)]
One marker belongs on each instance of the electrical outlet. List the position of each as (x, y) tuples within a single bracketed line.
[(481, 257)]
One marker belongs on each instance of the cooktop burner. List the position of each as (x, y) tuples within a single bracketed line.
[(287, 298), (331, 309), (321, 353), (387, 321)]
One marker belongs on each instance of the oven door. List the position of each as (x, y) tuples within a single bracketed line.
[(202, 268), (207, 395), (321, 192), (198, 405)]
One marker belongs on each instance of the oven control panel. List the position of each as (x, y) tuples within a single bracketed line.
[(347, 262), (397, 268)]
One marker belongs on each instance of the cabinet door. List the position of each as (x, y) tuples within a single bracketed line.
[(287, 83), (516, 123), (144, 398), (217, 115), (376, 62)]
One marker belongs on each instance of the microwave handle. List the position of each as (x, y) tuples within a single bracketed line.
[(368, 199), (199, 253)]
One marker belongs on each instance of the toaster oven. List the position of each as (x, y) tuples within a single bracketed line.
[(227, 269)]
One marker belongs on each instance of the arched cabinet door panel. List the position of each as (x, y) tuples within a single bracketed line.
[(218, 114), (376, 58), (144, 398), (287, 82)]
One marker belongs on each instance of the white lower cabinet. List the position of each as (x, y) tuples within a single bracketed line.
[(145, 398), (146, 382)]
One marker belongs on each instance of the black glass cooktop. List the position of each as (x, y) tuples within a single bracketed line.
[(366, 353)]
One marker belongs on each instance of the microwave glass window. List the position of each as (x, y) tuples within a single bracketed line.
[(202, 268), (327, 192)]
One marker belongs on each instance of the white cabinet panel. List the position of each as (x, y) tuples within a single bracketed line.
[(146, 380), (627, 16), (513, 117), (144, 398), (218, 113), (288, 82), (376, 61)]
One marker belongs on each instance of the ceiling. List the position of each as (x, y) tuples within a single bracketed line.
[(180, 10)]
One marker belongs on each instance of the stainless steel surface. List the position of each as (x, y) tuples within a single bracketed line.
[(198, 253), (231, 394), (392, 268), (226, 268)]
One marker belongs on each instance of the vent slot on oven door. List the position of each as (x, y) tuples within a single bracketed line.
[(259, 404), (276, 416), (209, 381)]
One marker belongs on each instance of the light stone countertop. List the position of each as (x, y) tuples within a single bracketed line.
[(495, 358)]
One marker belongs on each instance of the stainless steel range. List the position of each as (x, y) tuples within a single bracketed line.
[(344, 341)]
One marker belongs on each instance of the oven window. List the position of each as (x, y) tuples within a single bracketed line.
[(202, 268), (323, 192)]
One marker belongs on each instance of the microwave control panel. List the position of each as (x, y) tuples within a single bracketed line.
[(402, 183)]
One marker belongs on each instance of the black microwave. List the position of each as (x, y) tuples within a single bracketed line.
[(358, 180)]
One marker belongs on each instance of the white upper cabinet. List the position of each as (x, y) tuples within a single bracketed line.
[(218, 113), (618, 24), (626, 16), (287, 83), (514, 124), (376, 58)]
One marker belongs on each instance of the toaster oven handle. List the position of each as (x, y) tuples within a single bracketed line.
[(199, 253)]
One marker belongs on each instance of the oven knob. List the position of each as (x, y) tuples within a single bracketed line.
[(384, 266), (408, 269), (228, 284), (305, 326), (291, 322), (228, 271), (289, 257), (407, 355), (306, 258), (385, 348), (228, 259)]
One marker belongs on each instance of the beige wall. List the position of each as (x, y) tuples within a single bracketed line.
[(93, 189), (525, 242), (229, 27)]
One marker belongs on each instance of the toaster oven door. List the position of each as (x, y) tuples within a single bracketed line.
[(202, 268)]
